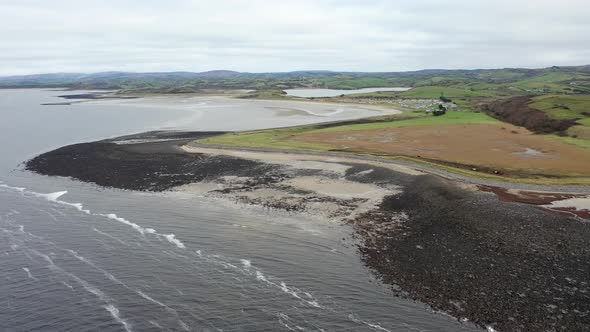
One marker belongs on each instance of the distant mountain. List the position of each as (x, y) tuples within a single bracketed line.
[(167, 82)]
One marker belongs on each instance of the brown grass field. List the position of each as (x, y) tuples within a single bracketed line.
[(505, 147)]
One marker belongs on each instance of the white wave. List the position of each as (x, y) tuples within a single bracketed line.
[(283, 319), (52, 196), (110, 236), (115, 313), (184, 325), (135, 226), (247, 270), (260, 276), (12, 188), (45, 257), (106, 273), (67, 285), (29, 273), (51, 216), (149, 298), (172, 239), (88, 287), (14, 247), (78, 206), (115, 280), (217, 259), (295, 294), (154, 323), (287, 290), (378, 327), (142, 230), (246, 263)]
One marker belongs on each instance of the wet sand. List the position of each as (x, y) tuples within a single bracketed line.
[(478, 256)]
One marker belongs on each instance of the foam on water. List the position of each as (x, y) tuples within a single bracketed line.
[(115, 313), (284, 320), (45, 257), (67, 285), (154, 323), (149, 298), (246, 263), (247, 269), (117, 281), (110, 236), (374, 326), (26, 269), (54, 197), (133, 225), (184, 325), (109, 306), (172, 239), (260, 276), (2, 185)]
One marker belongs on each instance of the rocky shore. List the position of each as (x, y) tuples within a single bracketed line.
[(472, 253)]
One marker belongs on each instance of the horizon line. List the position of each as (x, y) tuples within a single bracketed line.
[(283, 72)]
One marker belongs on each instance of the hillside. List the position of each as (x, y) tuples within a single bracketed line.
[(484, 82)]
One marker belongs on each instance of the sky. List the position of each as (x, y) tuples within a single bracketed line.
[(45, 36)]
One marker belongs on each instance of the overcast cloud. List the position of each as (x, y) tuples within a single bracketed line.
[(41, 36)]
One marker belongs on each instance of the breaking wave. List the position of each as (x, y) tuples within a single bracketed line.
[(115, 314), (109, 306), (54, 197)]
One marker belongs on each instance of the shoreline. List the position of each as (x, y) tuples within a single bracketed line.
[(477, 255)]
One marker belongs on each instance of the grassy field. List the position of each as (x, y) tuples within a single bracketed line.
[(452, 117), (337, 138), (272, 138), (278, 138), (564, 106), (568, 107)]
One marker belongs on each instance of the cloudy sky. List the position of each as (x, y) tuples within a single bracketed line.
[(40, 36)]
